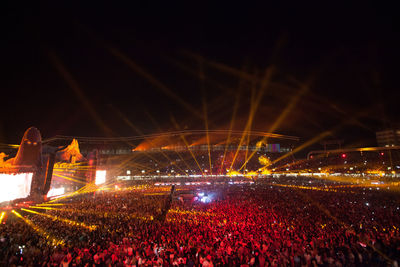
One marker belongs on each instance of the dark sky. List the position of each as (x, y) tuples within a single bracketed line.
[(103, 69)]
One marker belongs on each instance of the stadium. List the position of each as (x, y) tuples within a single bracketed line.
[(185, 153), (198, 134), (190, 183)]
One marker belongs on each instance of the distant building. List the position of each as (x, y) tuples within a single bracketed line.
[(390, 137)]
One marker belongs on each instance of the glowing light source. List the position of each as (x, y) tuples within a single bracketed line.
[(2, 215), (56, 192), (205, 199), (100, 177), (16, 185), (50, 239), (251, 174), (64, 220), (266, 172), (234, 173), (264, 161)]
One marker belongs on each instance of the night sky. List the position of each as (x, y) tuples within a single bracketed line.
[(107, 69)]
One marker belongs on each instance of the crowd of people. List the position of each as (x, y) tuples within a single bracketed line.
[(272, 222), (221, 162), (386, 161)]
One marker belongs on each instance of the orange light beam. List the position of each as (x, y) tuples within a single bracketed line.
[(69, 195), (317, 138), (130, 124), (247, 152), (235, 107), (64, 220), (72, 175), (186, 143), (306, 144), (3, 214), (68, 178), (254, 107), (205, 115), (282, 117), (72, 83), (50, 204), (127, 161), (196, 74), (252, 101), (225, 68), (39, 230), (184, 161), (136, 68)]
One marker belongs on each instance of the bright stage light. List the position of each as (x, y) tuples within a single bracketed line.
[(56, 192), (3, 214), (205, 199), (100, 177), (16, 185)]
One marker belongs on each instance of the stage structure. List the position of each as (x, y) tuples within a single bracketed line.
[(29, 175)]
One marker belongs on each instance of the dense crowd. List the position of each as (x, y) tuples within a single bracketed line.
[(347, 162), (219, 162), (268, 223)]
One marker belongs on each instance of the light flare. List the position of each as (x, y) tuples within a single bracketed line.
[(50, 239), (15, 185), (64, 220), (2, 216)]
